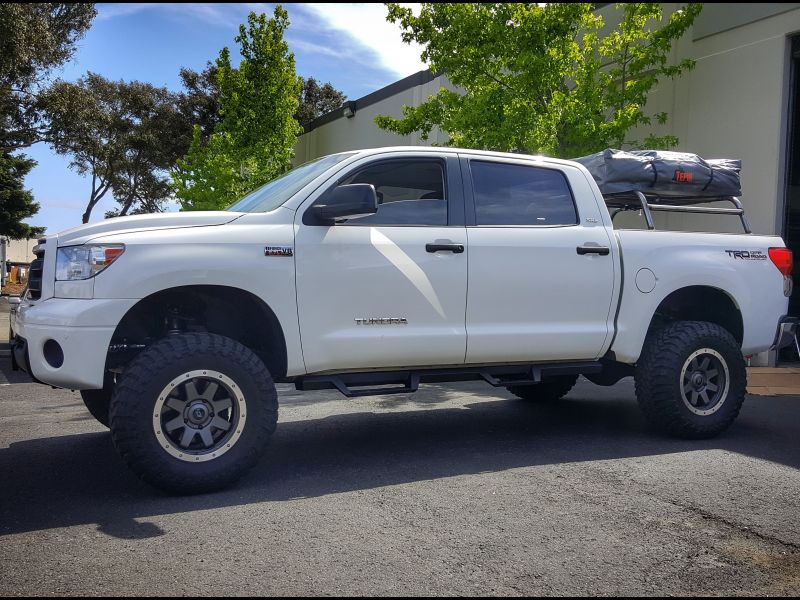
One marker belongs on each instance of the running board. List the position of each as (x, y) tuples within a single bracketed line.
[(407, 382)]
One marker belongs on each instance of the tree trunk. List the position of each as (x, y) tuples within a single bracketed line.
[(96, 196)]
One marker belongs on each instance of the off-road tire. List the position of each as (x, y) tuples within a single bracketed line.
[(138, 393), (660, 379), (97, 402), (549, 390)]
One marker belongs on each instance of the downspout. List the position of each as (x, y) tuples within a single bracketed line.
[(3, 242)]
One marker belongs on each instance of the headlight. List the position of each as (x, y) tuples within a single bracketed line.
[(83, 262)]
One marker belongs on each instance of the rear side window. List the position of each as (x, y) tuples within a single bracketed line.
[(510, 194)]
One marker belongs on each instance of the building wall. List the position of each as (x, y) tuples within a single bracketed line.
[(20, 250), (732, 105), (360, 131)]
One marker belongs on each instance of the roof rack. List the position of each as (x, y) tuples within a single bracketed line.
[(636, 200)]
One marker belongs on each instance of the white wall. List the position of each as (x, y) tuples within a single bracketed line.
[(361, 132), (733, 104), (20, 250)]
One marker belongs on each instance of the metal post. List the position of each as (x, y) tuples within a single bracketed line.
[(745, 222), (648, 217)]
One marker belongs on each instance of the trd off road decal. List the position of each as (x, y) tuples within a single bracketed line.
[(747, 254)]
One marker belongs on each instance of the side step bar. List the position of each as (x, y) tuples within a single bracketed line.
[(408, 381)]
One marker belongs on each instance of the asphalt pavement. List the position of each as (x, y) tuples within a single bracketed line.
[(455, 490)]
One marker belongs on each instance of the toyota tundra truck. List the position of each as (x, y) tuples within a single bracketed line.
[(373, 271)]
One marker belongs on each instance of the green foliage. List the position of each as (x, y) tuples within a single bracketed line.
[(254, 141), (16, 203), (199, 103), (124, 135), (34, 38), (541, 78), (316, 100)]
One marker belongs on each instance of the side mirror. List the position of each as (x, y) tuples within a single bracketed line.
[(353, 200), (14, 300)]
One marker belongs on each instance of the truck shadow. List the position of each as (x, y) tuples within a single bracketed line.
[(79, 479)]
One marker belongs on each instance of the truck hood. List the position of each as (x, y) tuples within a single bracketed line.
[(84, 233)]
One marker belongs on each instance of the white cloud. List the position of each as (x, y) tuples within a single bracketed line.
[(296, 44), (367, 26), (213, 14), (110, 11)]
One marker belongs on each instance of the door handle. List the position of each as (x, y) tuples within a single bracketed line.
[(454, 248), (601, 250)]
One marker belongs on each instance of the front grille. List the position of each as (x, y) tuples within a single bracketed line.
[(35, 275)]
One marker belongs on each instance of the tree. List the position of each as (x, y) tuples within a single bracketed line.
[(541, 78), (155, 140), (254, 140), (34, 38), (199, 104), (16, 203), (316, 100), (124, 135)]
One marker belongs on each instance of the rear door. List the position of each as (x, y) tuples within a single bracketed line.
[(389, 289), (541, 273)]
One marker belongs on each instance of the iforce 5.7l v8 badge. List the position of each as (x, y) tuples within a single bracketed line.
[(278, 251)]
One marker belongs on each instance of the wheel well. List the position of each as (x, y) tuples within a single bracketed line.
[(228, 311), (700, 303)]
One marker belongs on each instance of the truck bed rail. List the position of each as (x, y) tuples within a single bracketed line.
[(637, 200)]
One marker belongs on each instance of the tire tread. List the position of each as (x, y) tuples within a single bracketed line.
[(126, 406), (656, 371)]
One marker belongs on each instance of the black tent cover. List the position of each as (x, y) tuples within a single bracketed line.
[(663, 173)]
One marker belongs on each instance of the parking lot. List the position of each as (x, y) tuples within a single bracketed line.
[(458, 489)]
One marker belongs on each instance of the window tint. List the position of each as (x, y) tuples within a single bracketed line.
[(409, 193), (508, 194)]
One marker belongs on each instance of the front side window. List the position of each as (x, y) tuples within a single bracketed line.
[(410, 192), (512, 194)]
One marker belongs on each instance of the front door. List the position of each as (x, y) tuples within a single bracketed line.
[(389, 289)]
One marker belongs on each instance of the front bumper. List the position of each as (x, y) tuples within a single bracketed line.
[(82, 331), (787, 329), (19, 355)]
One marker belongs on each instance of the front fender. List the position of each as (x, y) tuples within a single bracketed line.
[(229, 255)]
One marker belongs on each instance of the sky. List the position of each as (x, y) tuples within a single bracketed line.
[(349, 45)]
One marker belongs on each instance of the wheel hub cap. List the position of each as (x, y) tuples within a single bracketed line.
[(704, 381), (199, 416), (699, 381)]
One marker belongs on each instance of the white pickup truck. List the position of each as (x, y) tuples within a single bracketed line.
[(390, 267)]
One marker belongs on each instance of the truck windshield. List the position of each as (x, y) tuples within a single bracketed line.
[(273, 194)]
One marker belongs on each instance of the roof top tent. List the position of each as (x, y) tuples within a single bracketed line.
[(660, 180)]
